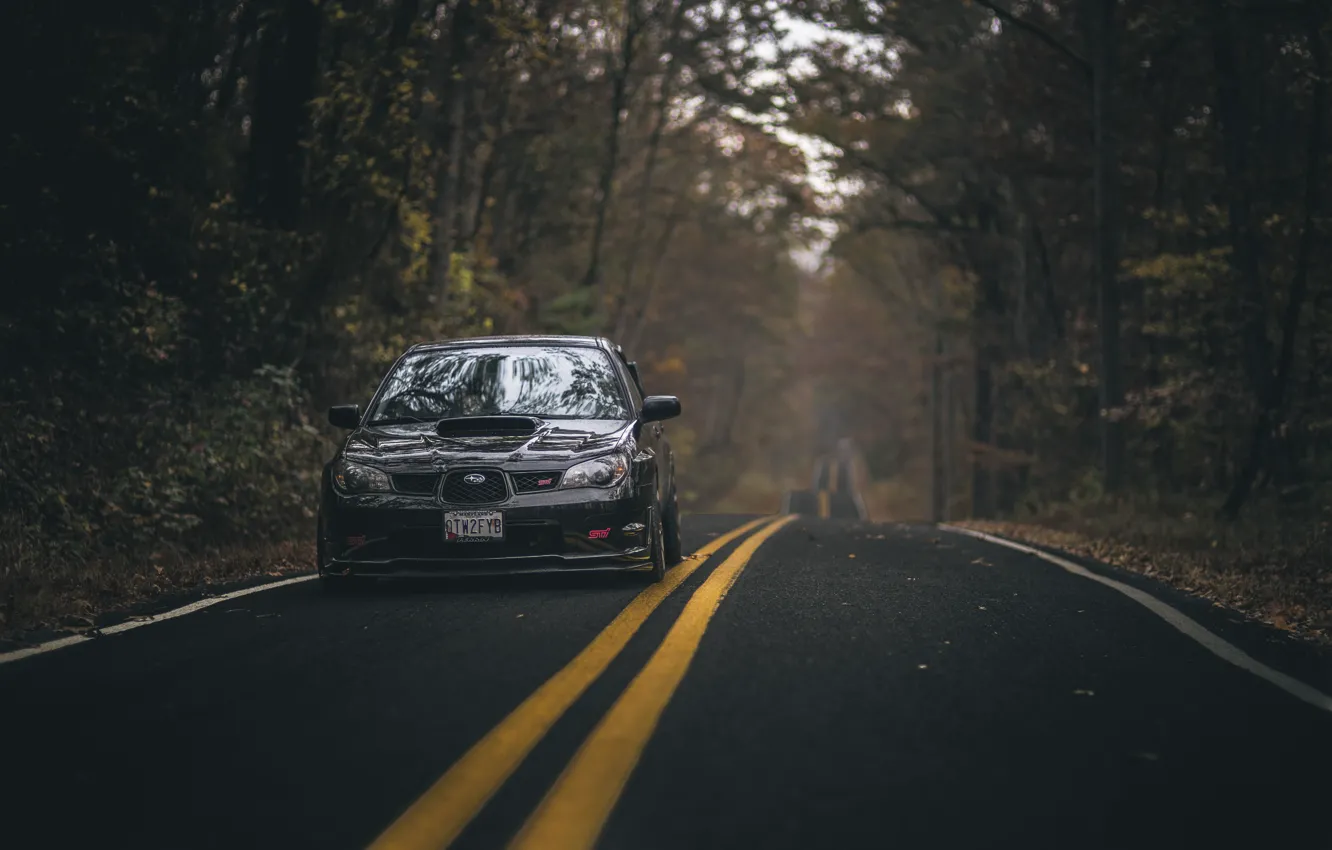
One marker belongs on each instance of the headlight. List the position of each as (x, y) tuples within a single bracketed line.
[(350, 478), (599, 472)]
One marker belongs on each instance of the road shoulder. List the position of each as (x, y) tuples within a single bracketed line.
[(1307, 661)]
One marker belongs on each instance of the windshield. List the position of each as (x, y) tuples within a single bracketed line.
[(557, 383)]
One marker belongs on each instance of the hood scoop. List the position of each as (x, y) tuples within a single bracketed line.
[(488, 426)]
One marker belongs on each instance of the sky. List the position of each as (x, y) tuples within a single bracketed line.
[(819, 154)]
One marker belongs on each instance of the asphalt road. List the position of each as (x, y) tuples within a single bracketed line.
[(858, 685), (831, 494)]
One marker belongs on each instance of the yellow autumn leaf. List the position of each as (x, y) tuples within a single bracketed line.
[(670, 366)]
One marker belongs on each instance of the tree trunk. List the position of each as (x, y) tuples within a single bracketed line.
[(987, 315), (982, 477), (399, 31), (245, 27), (1236, 132), (449, 171), (949, 431), (937, 477), (620, 313), (448, 180), (289, 60), (1270, 389), (493, 156), (619, 83), (1102, 29), (635, 327)]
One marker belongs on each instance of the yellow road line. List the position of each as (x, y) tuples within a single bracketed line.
[(574, 811), (441, 813), (832, 475), (824, 507)]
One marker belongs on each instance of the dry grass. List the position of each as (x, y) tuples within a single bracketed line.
[(1271, 569), (71, 595)]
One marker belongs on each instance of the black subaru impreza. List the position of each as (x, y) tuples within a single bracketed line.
[(502, 454)]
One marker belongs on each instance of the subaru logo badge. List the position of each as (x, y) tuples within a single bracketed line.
[(475, 478)]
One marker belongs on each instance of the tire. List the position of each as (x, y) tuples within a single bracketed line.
[(658, 545), (670, 524)]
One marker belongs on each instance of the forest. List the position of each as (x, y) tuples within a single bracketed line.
[(1060, 267)]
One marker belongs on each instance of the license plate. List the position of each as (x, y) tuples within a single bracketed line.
[(473, 526)]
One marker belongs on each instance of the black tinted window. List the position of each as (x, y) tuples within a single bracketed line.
[(635, 398), (567, 383)]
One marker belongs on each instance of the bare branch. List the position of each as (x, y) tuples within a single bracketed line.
[(1044, 35)]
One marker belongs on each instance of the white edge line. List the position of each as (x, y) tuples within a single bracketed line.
[(71, 640), (1211, 642)]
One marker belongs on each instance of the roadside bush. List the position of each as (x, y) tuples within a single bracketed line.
[(231, 466)]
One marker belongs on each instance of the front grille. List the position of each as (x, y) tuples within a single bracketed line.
[(459, 491), (535, 482), (416, 482)]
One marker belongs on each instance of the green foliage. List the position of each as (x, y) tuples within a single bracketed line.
[(972, 139), (191, 468), (233, 215)]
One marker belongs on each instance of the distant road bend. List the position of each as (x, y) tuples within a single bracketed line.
[(810, 679)]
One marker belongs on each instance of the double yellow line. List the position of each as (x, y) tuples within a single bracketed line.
[(576, 808)]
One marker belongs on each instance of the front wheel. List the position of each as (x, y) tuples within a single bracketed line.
[(658, 544), (670, 524)]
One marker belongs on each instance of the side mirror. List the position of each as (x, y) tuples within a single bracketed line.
[(344, 415), (659, 407)]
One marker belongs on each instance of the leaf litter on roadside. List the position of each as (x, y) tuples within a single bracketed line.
[(1277, 575)]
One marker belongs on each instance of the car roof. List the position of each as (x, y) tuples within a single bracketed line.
[(564, 340)]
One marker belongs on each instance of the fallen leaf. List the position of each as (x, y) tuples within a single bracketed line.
[(851, 555)]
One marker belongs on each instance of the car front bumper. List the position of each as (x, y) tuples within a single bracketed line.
[(393, 535)]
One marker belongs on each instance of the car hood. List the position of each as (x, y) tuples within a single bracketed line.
[(553, 440)]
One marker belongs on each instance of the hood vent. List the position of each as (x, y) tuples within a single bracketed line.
[(488, 426)]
